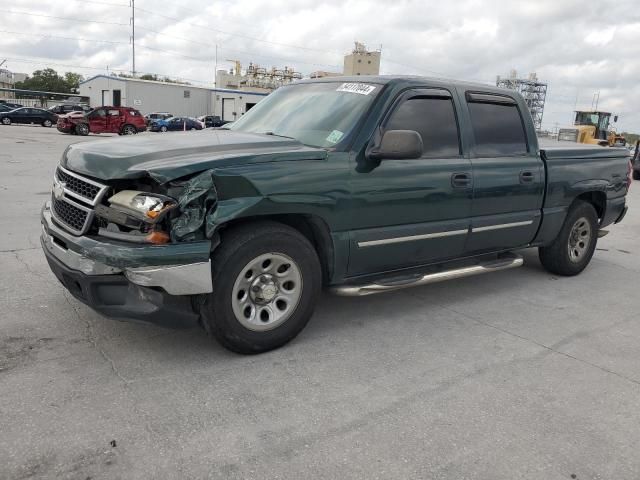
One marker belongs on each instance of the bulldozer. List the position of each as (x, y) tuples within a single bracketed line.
[(592, 127)]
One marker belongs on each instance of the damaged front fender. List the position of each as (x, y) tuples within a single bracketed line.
[(196, 203)]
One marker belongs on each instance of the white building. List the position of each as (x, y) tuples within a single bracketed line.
[(180, 100)]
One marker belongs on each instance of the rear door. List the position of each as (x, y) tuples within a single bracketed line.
[(115, 120), (38, 115), (413, 212), (508, 174)]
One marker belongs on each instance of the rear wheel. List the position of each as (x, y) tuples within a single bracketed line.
[(571, 251), (6, 121), (266, 281), (47, 123), (129, 130), (82, 129)]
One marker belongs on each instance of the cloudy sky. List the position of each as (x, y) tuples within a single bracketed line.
[(579, 47)]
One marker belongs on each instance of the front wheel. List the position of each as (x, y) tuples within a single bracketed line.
[(163, 129), (571, 251), (266, 282), (636, 174)]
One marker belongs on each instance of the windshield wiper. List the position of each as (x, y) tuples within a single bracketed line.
[(277, 135)]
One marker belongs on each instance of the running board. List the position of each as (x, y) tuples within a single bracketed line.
[(503, 263)]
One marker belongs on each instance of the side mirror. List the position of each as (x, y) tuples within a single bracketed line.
[(398, 145)]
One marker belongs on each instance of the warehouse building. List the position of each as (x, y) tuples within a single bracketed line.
[(180, 100)]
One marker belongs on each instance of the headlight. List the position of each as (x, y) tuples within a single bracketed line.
[(148, 206)]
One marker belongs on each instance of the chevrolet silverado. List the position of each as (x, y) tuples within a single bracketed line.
[(361, 185)]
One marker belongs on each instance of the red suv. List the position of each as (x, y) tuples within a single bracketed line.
[(120, 120)]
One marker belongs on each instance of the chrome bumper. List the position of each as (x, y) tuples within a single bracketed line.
[(187, 279)]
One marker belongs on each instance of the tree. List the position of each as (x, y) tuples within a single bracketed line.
[(48, 80), (73, 80)]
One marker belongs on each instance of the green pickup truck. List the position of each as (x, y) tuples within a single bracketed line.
[(357, 184)]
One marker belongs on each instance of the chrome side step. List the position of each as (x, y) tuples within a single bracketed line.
[(502, 263)]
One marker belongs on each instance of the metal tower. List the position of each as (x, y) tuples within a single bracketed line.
[(533, 91)]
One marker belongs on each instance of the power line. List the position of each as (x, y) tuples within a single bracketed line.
[(31, 14)]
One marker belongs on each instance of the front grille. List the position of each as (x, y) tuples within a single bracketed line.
[(77, 185), (73, 200), (71, 216)]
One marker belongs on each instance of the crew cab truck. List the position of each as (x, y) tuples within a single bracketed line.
[(361, 185)]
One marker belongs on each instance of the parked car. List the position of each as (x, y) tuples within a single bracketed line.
[(150, 117), (359, 184), (635, 160), (11, 105), (69, 107), (212, 121), (175, 123), (4, 108), (28, 115), (120, 120)]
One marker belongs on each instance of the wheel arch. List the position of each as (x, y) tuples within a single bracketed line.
[(312, 227), (597, 198)]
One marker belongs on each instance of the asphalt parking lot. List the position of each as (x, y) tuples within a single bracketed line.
[(517, 374)]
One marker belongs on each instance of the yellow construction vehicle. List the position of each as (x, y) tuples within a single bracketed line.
[(592, 127)]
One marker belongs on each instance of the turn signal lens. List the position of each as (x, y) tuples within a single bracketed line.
[(158, 238)]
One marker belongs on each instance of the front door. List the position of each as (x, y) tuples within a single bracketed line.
[(98, 120), (21, 115), (508, 177), (412, 212)]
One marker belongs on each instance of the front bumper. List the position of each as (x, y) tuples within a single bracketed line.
[(113, 278)]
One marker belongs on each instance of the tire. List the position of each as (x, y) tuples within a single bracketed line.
[(47, 123), (6, 121), (636, 174), (571, 251), (266, 283), (82, 129), (163, 128), (129, 130)]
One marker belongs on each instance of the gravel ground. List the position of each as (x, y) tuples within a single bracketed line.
[(517, 374)]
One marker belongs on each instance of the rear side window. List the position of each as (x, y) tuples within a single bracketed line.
[(434, 119), (498, 129)]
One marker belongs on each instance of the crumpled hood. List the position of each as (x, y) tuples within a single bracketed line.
[(168, 156)]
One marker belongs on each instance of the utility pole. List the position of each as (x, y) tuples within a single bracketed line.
[(133, 37), (215, 82)]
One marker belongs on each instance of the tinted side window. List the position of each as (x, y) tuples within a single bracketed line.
[(498, 129), (434, 119)]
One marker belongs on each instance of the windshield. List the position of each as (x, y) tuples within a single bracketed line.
[(316, 114)]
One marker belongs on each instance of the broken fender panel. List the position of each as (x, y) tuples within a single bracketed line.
[(196, 203)]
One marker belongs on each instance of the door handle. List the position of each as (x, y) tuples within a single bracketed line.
[(461, 180), (527, 176)]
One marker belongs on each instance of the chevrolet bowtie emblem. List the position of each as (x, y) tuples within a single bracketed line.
[(58, 190)]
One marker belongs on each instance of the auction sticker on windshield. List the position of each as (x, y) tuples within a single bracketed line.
[(335, 136), (360, 88)]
